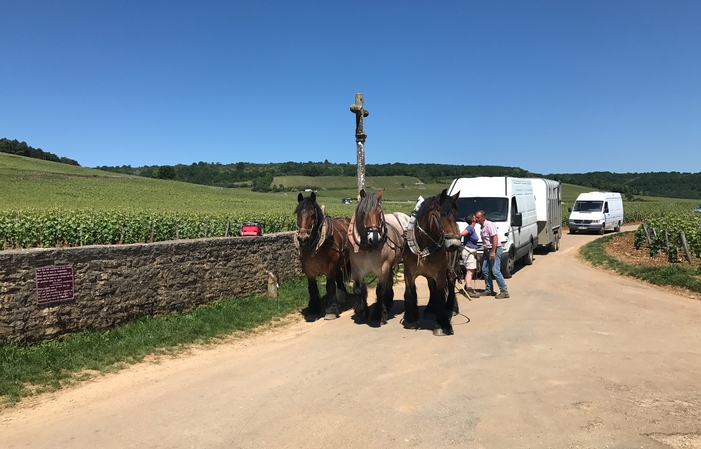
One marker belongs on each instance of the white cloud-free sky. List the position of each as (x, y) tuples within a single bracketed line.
[(548, 86)]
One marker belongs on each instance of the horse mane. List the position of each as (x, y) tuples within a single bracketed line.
[(429, 204)]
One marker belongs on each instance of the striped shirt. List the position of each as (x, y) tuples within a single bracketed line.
[(488, 230)]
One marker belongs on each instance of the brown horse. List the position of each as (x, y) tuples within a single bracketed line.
[(376, 243), (322, 250), (433, 237)]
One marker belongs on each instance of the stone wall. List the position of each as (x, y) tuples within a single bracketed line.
[(117, 283)]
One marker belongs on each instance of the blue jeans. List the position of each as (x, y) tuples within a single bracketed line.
[(492, 270)]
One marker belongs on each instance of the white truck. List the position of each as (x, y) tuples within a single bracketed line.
[(510, 204), (548, 206), (596, 211)]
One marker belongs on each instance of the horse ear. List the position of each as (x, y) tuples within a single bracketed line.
[(313, 195), (362, 193), (456, 196), (379, 194), (444, 193), (300, 197)]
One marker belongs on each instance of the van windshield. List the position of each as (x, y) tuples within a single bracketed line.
[(497, 209), (588, 206)]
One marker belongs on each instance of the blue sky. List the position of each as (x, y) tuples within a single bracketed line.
[(548, 86)]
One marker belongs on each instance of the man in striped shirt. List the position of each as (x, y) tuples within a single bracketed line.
[(492, 252)]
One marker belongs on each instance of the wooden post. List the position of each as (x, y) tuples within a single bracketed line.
[(685, 245), (177, 232), (647, 234), (228, 226), (666, 240), (360, 112), (151, 232), (121, 236)]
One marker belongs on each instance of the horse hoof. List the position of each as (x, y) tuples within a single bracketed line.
[(330, 316), (311, 318), (414, 325), (439, 332)]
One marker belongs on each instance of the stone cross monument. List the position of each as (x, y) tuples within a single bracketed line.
[(360, 112)]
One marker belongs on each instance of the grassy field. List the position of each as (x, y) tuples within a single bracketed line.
[(36, 184)]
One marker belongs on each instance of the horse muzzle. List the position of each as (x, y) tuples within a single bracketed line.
[(374, 238), (451, 244)]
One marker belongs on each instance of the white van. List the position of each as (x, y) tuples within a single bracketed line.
[(596, 211), (510, 204)]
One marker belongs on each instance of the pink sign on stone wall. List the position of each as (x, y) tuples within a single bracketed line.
[(55, 283)]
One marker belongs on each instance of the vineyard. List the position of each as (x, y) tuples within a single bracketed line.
[(58, 228), (678, 235), (47, 204)]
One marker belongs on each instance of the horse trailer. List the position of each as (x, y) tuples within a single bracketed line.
[(548, 205)]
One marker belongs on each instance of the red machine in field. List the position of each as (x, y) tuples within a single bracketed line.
[(251, 228)]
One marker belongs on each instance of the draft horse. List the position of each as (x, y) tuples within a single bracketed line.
[(321, 242), (376, 244), (433, 238)]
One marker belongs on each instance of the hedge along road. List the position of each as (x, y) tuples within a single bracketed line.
[(577, 357)]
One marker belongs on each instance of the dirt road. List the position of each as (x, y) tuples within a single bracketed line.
[(577, 357)]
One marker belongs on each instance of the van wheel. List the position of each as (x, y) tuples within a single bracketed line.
[(572, 231), (602, 230), (507, 264), (618, 227), (528, 258)]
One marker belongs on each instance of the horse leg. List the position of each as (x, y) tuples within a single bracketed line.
[(362, 311), (451, 304), (442, 325), (433, 298), (314, 306), (385, 296), (332, 310), (411, 306)]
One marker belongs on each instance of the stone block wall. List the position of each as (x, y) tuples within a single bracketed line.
[(118, 283)]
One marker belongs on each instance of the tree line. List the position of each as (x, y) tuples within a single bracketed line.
[(260, 176), (22, 149), (664, 184)]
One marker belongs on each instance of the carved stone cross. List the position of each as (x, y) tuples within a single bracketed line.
[(360, 112)]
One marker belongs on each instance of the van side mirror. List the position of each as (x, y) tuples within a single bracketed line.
[(569, 209), (517, 220), (606, 210)]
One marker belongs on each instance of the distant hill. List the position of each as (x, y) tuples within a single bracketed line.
[(22, 149), (661, 184)]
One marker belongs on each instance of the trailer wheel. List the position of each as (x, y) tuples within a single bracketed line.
[(555, 244)]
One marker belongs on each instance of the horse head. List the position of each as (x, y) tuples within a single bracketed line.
[(438, 221), (309, 217), (369, 219), (448, 221)]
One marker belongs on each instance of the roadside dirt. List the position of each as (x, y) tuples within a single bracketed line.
[(576, 358)]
